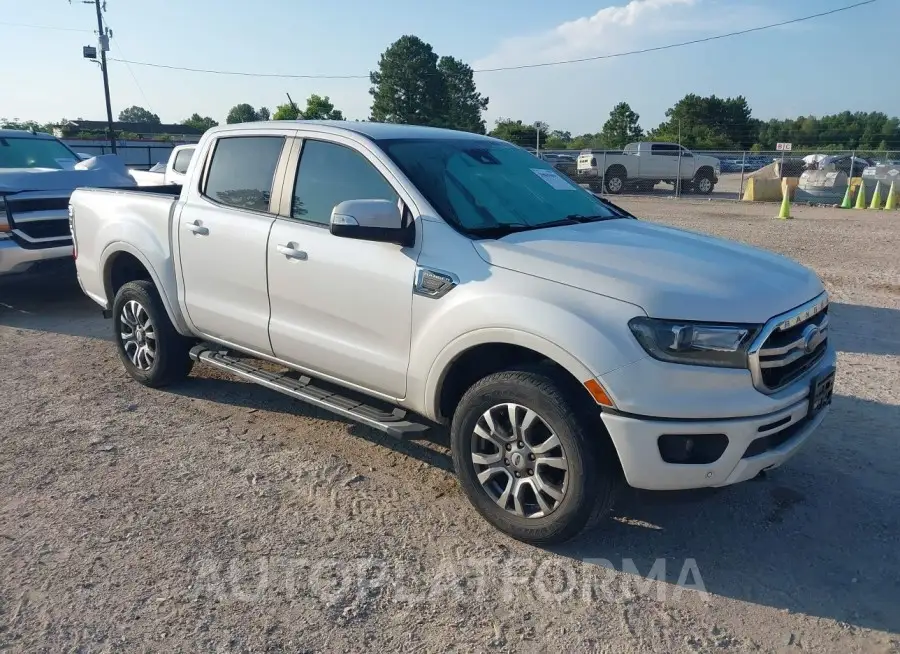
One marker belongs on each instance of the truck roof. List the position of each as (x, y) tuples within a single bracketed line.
[(375, 131), (20, 133)]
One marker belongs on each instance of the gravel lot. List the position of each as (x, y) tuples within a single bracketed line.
[(219, 516)]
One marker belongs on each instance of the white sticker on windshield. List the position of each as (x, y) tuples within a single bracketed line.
[(553, 179)]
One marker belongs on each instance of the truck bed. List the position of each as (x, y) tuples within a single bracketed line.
[(142, 215)]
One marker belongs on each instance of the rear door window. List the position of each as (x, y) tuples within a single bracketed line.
[(241, 171)]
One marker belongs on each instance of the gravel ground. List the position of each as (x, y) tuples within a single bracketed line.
[(219, 516)]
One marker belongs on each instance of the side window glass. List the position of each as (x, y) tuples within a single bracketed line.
[(240, 174), (329, 174), (182, 159)]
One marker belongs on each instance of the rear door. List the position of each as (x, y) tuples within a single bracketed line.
[(341, 307), (223, 231)]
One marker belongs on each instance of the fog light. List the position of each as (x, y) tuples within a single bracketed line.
[(692, 448)]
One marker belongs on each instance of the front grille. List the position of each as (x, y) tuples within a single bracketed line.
[(36, 202), (790, 345), (39, 219)]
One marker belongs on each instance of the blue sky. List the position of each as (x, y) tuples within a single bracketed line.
[(821, 66)]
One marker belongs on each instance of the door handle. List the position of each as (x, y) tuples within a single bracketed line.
[(290, 251), (197, 228)]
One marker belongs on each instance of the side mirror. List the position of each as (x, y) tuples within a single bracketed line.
[(371, 220)]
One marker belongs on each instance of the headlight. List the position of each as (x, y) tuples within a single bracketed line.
[(699, 344)]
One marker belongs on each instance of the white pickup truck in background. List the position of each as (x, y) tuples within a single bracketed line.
[(176, 167), (407, 277), (641, 166), (38, 173)]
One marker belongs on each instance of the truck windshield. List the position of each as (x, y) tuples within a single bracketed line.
[(31, 152), (490, 189)]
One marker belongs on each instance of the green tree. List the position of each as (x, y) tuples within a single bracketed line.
[(709, 123), (136, 114), (263, 114), (622, 127), (407, 87), (243, 113), (317, 108), (519, 133), (464, 104), (286, 112), (198, 122), (321, 108)]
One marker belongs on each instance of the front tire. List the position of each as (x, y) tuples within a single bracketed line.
[(150, 348), (704, 183), (530, 459)]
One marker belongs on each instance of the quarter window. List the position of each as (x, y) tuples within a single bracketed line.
[(241, 171), (329, 174)]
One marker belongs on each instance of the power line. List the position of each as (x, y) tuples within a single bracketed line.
[(683, 43), (45, 27), (522, 66)]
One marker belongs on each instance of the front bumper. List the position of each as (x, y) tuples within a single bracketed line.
[(16, 259), (636, 443), (780, 435)]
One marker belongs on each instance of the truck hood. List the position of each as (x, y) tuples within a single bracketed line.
[(103, 171), (669, 273)]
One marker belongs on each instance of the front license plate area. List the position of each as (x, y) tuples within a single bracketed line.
[(821, 391)]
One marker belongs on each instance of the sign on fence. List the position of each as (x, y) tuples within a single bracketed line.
[(784, 147)]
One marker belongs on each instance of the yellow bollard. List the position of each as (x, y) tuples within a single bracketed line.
[(876, 197), (891, 203)]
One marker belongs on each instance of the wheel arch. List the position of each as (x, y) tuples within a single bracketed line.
[(479, 353), (121, 263), (617, 168), (705, 170)]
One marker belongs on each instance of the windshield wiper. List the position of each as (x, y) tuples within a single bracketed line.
[(503, 229), (579, 218)]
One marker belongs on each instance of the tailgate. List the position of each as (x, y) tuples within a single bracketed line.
[(586, 161)]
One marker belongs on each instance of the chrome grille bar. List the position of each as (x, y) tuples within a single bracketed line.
[(807, 349)]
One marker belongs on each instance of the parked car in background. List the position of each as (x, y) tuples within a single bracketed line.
[(641, 166), (403, 276), (38, 173), (173, 170)]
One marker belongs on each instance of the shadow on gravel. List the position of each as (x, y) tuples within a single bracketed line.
[(50, 302), (251, 396), (865, 330), (817, 537)]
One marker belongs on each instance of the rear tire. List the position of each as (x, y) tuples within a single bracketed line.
[(615, 181), (150, 348), (514, 464)]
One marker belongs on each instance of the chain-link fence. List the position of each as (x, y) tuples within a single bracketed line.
[(739, 174)]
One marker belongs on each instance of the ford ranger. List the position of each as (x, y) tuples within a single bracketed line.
[(411, 277)]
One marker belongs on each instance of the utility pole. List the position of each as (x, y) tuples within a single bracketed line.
[(104, 46)]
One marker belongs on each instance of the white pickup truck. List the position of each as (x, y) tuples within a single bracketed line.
[(408, 277), (176, 168), (641, 166)]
